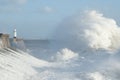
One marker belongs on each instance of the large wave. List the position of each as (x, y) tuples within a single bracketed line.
[(84, 33), (89, 29)]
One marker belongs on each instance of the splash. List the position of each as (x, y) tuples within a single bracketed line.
[(96, 76), (89, 30), (66, 55)]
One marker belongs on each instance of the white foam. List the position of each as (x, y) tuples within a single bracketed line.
[(89, 30), (66, 55), (96, 76), (18, 66)]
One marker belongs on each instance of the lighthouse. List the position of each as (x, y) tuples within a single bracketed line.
[(15, 33)]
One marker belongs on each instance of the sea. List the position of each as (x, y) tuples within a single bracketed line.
[(85, 46), (67, 64)]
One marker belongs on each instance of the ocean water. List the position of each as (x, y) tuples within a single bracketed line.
[(85, 46), (65, 64)]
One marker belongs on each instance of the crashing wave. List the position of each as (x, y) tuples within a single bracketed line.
[(89, 30)]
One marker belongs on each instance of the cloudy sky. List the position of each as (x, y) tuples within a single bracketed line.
[(37, 19)]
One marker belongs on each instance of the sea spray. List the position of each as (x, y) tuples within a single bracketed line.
[(86, 33), (88, 30), (66, 55)]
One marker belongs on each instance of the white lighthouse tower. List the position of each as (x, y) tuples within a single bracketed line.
[(15, 33)]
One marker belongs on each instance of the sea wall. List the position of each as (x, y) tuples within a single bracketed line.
[(14, 43), (4, 41)]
